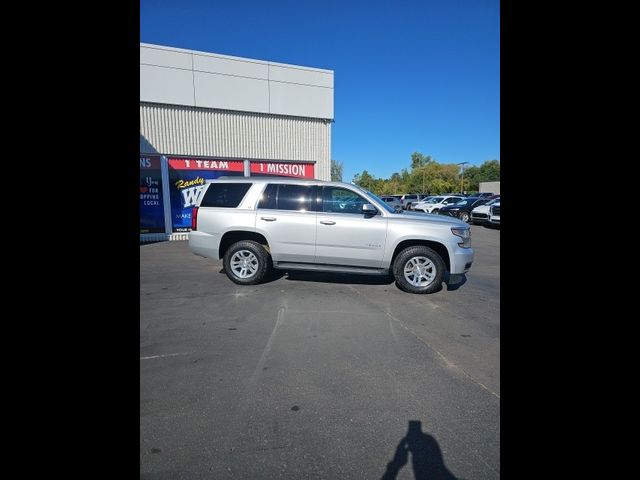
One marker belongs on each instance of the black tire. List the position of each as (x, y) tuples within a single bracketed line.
[(436, 211), (419, 251), (465, 217), (261, 265)]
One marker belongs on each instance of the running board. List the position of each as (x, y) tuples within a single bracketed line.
[(315, 267)]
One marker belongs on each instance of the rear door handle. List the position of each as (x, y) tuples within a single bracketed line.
[(327, 222), (268, 219)]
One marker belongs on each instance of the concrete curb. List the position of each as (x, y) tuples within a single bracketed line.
[(161, 237)]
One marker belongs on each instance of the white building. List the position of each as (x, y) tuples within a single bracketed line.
[(204, 115), (492, 187)]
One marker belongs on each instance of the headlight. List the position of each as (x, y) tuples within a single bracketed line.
[(464, 234)]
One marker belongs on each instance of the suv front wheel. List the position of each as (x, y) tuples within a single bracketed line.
[(418, 269), (246, 262)]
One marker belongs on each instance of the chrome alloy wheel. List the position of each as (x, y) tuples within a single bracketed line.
[(244, 264), (419, 271)]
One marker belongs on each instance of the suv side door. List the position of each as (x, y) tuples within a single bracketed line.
[(344, 235), (286, 216)]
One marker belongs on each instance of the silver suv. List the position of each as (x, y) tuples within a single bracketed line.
[(254, 224)]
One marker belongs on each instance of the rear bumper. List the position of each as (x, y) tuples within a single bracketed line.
[(204, 244)]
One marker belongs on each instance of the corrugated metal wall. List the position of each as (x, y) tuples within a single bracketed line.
[(176, 130)]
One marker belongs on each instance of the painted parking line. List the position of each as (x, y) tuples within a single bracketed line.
[(162, 356)]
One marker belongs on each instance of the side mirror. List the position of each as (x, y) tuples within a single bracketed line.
[(369, 209)]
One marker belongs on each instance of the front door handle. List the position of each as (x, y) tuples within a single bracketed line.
[(327, 222), (268, 219)]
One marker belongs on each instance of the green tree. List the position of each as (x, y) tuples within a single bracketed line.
[(429, 176), (419, 160), (471, 176), (394, 184), (490, 171), (364, 180), (336, 171)]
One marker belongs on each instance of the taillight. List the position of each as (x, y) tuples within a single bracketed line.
[(194, 219)]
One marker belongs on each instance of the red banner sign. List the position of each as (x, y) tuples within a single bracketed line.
[(300, 170), (200, 164)]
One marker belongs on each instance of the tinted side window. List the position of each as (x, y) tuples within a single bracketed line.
[(227, 195), (295, 197), (341, 200), (268, 197)]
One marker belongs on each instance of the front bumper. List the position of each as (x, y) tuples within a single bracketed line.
[(461, 260)]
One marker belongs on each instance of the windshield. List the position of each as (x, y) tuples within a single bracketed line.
[(434, 200), (462, 202), (380, 201), (491, 202)]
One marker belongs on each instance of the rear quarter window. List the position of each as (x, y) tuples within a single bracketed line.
[(227, 195)]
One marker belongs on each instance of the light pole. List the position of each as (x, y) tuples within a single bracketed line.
[(462, 181)]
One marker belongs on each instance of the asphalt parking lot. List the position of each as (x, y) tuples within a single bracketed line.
[(317, 375)]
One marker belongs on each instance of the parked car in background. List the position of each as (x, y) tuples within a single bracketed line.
[(392, 201), (409, 199), (485, 194), (480, 214), (494, 214), (434, 204), (462, 209), (421, 198)]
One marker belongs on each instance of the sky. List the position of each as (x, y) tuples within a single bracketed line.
[(409, 76)]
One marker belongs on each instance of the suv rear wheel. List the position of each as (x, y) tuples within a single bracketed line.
[(246, 262), (418, 269)]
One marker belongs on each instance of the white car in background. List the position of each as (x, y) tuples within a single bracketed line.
[(481, 214), (494, 214), (435, 203), (409, 199)]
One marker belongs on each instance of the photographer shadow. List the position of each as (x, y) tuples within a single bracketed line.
[(426, 456)]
